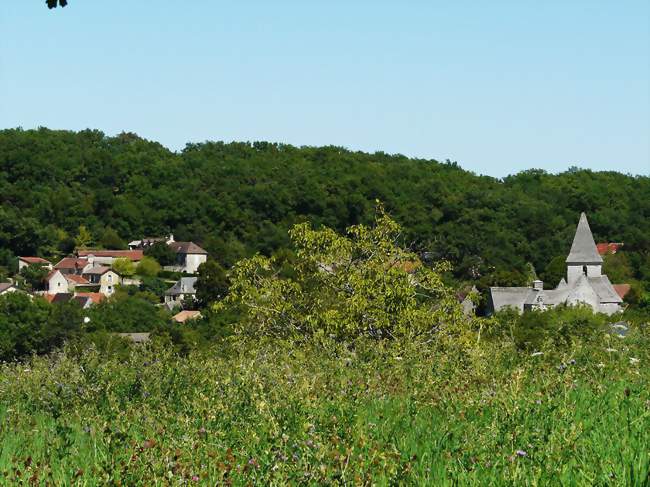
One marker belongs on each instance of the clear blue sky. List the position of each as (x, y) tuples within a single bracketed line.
[(498, 86)]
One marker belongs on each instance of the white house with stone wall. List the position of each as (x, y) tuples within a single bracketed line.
[(585, 283), (189, 257)]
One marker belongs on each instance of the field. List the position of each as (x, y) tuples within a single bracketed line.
[(274, 413)]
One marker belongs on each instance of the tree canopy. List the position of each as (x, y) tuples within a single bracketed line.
[(238, 199)]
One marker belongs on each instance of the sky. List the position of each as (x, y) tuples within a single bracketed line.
[(498, 86)]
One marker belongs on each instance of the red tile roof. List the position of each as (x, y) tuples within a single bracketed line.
[(71, 263), (76, 279), (34, 260), (621, 289), (96, 298), (185, 315), (608, 247), (133, 255)]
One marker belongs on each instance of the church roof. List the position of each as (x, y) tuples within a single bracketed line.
[(583, 249), (604, 289), (504, 297)]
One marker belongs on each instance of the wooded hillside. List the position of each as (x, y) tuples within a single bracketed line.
[(240, 198)]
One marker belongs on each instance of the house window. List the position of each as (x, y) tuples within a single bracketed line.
[(110, 278), (110, 289)]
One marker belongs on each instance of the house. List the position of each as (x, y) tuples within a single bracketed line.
[(73, 265), (7, 287), (58, 282), (85, 300), (137, 338), (186, 315), (189, 257), (108, 257), (27, 261), (181, 291), (104, 277), (584, 284), (609, 247), (149, 241)]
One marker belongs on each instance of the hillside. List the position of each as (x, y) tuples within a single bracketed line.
[(239, 198)]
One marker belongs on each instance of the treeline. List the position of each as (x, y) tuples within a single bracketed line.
[(241, 198)]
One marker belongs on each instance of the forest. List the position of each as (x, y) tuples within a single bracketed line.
[(238, 199)]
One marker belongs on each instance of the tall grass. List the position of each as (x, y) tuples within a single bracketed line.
[(360, 414)]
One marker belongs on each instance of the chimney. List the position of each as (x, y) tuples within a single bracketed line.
[(539, 285)]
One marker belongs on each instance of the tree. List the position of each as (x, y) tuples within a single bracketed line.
[(55, 3), (83, 238), (124, 267), (555, 271), (148, 267), (211, 283), (162, 253), (34, 276), (362, 284), (111, 240)]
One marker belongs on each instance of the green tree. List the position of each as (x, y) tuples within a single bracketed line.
[(162, 253), (148, 267), (34, 276), (124, 267), (83, 238), (554, 271), (111, 240), (362, 284), (211, 282)]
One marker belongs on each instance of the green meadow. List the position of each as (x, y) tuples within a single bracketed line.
[(362, 413)]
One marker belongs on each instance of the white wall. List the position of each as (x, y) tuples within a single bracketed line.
[(193, 261)]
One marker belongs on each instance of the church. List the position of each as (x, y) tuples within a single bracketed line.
[(584, 284)]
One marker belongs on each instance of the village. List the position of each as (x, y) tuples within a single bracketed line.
[(90, 276)]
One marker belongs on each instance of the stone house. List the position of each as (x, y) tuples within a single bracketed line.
[(584, 284), (104, 277), (189, 257), (58, 282), (184, 289)]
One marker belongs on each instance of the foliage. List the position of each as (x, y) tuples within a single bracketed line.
[(126, 312), (329, 414), (83, 238), (362, 284), (111, 240), (148, 267), (31, 325), (162, 253), (34, 276), (124, 267), (212, 283), (239, 199)]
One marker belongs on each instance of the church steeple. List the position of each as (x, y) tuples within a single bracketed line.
[(583, 250), (583, 258)]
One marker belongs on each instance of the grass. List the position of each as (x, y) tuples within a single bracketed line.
[(273, 414)]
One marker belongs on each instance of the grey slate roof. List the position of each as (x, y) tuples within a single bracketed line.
[(186, 248), (583, 249), (185, 285), (604, 289), (504, 297)]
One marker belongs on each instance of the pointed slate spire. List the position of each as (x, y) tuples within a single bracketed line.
[(583, 250)]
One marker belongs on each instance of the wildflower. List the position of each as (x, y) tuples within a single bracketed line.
[(195, 478), (86, 429), (538, 402), (309, 443), (521, 453), (634, 360), (610, 350), (561, 368), (536, 354)]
